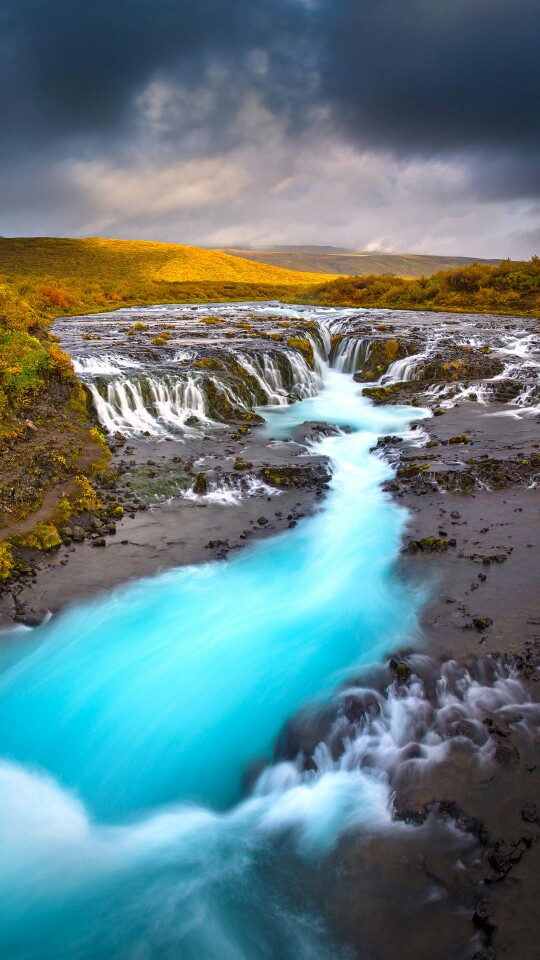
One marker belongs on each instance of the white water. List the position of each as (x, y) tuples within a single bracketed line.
[(127, 723), (159, 404)]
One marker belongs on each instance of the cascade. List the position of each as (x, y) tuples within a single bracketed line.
[(128, 722)]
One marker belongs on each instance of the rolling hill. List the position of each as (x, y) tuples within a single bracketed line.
[(137, 260), (321, 260)]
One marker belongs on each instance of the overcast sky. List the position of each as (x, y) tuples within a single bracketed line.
[(398, 125)]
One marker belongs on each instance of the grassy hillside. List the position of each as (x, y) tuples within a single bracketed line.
[(511, 287), (356, 264), (134, 260)]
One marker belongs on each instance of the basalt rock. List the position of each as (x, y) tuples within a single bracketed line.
[(460, 363), (308, 475)]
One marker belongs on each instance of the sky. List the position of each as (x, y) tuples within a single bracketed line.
[(396, 125)]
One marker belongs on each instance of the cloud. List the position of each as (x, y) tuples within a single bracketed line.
[(408, 124), (119, 195)]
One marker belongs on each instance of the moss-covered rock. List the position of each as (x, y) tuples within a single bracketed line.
[(460, 363), (304, 346), (382, 394), (431, 545), (200, 485), (412, 470), (208, 363)]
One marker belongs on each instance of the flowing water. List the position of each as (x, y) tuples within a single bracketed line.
[(128, 723)]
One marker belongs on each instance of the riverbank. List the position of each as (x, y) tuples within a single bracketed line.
[(478, 548)]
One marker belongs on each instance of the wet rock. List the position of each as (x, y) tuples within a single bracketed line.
[(529, 813), (506, 854), (78, 534), (482, 623), (358, 706), (99, 542), (498, 727), (409, 814), (401, 669), (200, 486), (507, 754), (481, 917), (315, 475), (430, 545)]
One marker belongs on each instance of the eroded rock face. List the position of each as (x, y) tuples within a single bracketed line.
[(455, 363)]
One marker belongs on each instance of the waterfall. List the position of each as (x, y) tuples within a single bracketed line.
[(158, 403), (149, 405), (404, 369), (351, 353)]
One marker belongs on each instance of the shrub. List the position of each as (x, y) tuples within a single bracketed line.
[(6, 561), (45, 536)]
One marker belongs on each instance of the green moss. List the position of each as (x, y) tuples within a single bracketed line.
[(243, 465), (200, 486), (461, 438), (381, 394), (381, 354), (412, 469), (430, 545), (208, 363)]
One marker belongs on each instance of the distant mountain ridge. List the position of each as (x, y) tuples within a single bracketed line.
[(336, 260)]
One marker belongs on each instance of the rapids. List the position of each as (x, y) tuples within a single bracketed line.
[(127, 724)]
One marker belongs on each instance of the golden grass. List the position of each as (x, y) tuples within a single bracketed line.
[(140, 260)]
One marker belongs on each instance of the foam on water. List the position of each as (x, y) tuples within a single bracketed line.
[(127, 723), (161, 694)]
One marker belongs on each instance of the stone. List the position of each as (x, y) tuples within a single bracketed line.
[(200, 486), (507, 754), (529, 813)]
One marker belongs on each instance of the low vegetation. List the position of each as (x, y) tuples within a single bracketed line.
[(511, 287)]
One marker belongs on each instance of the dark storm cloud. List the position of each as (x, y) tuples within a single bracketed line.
[(99, 100), (434, 75), (72, 68), (420, 75)]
